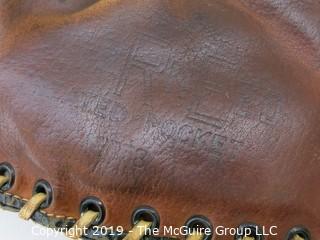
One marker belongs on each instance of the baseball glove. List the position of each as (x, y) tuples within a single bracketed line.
[(130, 119)]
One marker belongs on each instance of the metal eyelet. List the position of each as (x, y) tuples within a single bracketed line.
[(146, 213), (94, 204), (42, 186), (200, 222), (254, 230), (7, 170), (300, 231)]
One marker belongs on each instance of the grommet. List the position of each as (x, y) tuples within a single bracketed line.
[(96, 205), (146, 213), (254, 230), (92, 214), (42, 196), (42, 186), (200, 222), (7, 170), (300, 231)]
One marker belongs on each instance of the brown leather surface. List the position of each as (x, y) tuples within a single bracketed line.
[(191, 107)]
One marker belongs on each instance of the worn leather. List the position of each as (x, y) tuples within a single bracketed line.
[(191, 107)]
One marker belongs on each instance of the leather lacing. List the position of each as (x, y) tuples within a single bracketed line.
[(42, 196), (3, 180)]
